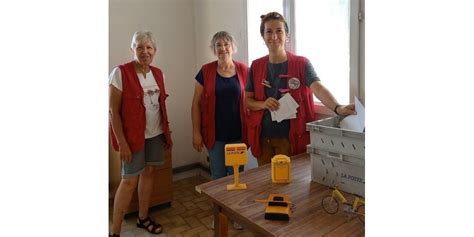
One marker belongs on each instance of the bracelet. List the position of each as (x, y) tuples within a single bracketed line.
[(335, 109)]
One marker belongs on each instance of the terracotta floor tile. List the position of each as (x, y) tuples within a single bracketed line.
[(190, 214)]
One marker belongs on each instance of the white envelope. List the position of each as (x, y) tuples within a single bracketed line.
[(287, 109)]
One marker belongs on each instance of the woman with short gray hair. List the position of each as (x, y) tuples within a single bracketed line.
[(218, 109), (218, 113), (139, 129)]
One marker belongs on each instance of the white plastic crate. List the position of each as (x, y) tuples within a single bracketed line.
[(327, 136), (329, 170)]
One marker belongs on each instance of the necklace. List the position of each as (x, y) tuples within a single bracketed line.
[(141, 69), (144, 72), (226, 71)]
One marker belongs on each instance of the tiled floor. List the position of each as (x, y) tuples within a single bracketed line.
[(190, 214)]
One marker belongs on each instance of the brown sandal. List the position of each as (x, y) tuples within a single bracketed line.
[(145, 224)]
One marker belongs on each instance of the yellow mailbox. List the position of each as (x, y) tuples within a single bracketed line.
[(236, 155), (281, 169)]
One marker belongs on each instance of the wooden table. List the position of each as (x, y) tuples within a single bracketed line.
[(307, 219)]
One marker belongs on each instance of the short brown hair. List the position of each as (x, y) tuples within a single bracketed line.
[(272, 16)]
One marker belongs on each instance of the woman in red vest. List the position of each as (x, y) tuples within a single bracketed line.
[(273, 75), (139, 129), (218, 107)]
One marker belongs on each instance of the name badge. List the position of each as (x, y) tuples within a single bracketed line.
[(294, 83)]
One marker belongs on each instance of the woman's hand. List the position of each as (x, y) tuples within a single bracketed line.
[(197, 141), (271, 104), (346, 109), (125, 153)]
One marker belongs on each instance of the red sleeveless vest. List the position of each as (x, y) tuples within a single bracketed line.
[(208, 102), (133, 110), (298, 136)]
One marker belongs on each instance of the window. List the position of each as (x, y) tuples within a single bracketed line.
[(255, 9), (327, 32)]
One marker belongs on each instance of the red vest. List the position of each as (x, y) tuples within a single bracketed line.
[(208, 102), (133, 110), (298, 136)]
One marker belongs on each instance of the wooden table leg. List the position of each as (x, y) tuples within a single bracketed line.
[(220, 222)]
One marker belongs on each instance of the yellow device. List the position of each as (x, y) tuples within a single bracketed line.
[(236, 155), (281, 169), (278, 207)]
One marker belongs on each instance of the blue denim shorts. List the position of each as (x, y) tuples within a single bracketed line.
[(151, 154)]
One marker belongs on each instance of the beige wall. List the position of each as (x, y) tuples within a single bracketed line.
[(183, 30), (212, 16)]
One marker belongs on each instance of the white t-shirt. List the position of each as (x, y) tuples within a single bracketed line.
[(150, 100)]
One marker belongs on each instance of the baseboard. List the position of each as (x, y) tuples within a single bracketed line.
[(191, 170), (189, 167)]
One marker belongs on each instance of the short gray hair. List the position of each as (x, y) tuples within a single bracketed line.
[(223, 35), (141, 36)]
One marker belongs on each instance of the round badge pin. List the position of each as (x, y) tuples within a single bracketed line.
[(294, 83)]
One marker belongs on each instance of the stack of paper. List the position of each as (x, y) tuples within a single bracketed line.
[(355, 122), (287, 109)]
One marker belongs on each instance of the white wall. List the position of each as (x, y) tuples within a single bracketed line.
[(212, 16), (183, 30)]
